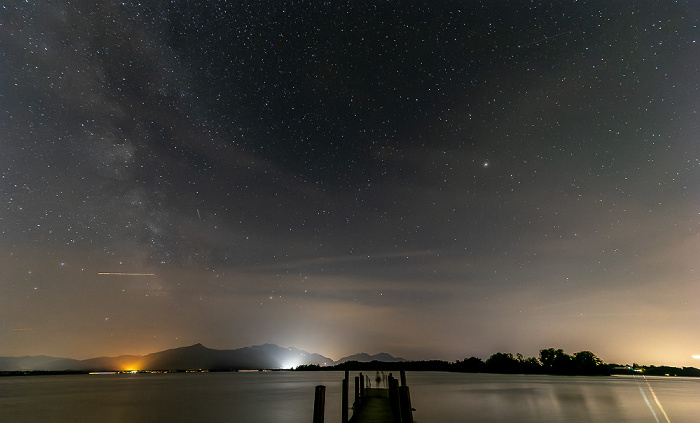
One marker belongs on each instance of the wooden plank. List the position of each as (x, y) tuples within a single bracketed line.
[(375, 408)]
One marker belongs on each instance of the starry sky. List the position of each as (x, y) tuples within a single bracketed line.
[(438, 180)]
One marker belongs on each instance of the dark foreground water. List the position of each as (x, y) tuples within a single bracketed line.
[(288, 397)]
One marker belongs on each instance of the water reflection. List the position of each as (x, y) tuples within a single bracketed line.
[(449, 398), (288, 397), (192, 397)]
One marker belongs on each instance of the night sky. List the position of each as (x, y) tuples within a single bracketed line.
[(438, 180)]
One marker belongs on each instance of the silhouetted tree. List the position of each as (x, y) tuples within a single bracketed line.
[(502, 363), (308, 367), (587, 363), (671, 371), (563, 364), (557, 362), (530, 365), (470, 365), (547, 357)]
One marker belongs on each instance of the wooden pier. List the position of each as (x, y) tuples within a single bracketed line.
[(375, 408), (371, 405)]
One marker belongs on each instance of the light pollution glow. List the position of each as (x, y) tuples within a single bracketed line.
[(125, 274), (432, 191)]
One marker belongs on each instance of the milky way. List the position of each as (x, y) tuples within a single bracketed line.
[(436, 180)]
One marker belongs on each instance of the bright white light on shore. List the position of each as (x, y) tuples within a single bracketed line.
[(291, 364), (697, 356)]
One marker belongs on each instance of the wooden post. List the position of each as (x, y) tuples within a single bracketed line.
[(394, 399), (403, 378), (344, 406), (357, 391), (319, 404), (362, 387), (405, 404)]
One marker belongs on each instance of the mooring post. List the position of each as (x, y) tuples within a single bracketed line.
[(319, 403), (394, 399), (357, 391), (362, 387), (344, 406), (405, 405), (403, 378)]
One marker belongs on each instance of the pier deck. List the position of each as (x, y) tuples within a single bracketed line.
[(375, 408)]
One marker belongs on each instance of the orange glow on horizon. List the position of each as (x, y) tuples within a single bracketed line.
[(131, 367)]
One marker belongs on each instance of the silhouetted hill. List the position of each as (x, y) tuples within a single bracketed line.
[(279, 358), (123, 362), (366, 358), (38, 362), (193, 357), (268, 356)]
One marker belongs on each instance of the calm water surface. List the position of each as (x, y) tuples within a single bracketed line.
[(288, 397), (454, 397)]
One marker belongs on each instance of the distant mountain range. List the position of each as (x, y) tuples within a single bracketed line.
[(268, 356), (366, 358)]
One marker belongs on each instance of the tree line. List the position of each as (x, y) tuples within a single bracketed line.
[(550, 361)]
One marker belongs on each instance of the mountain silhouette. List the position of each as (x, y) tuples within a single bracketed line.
[(193, 357), (38, 362), (365, 358)]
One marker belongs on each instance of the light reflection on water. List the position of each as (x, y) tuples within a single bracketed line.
[(449, 397), (288, 397)]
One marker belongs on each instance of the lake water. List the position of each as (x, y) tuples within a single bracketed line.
[(288, 397)]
